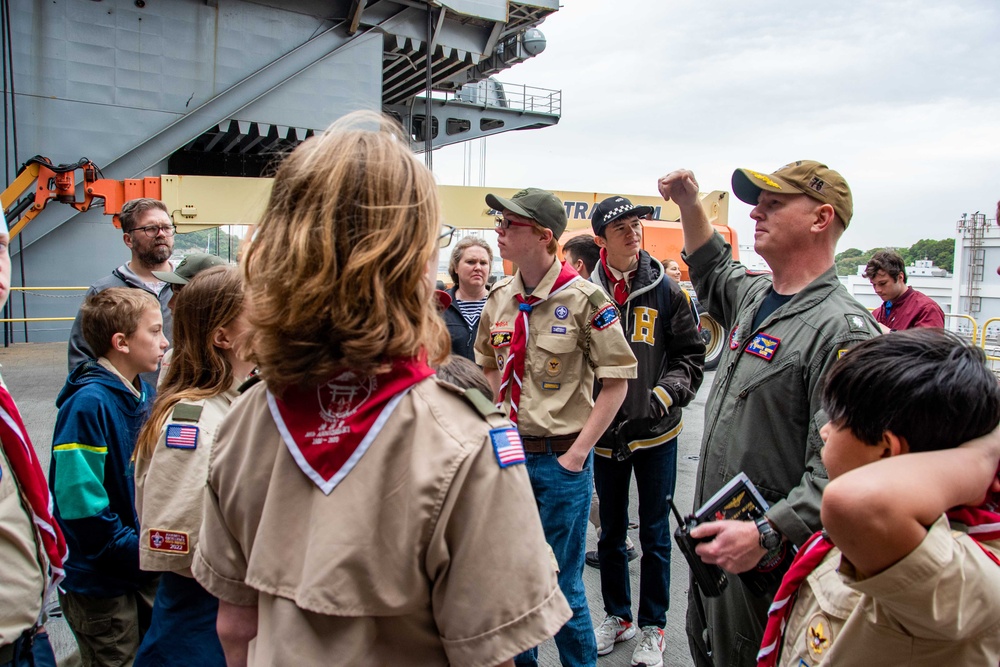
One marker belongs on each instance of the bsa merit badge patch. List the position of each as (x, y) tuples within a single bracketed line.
[(551, 386), (182, 436), (605, 317), (501, 338), (553, 366), (763, 346), (562, 312), (507, 446), (559, 330), (174, 542), (734, 338)]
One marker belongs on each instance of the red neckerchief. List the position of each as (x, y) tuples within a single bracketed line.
[(328, 428), (30, 479), (621, 285), (514, 368), (983, 523)]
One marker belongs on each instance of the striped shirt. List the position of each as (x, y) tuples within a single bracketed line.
[(471, 310)]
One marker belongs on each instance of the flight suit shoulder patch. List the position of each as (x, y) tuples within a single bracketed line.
[(856, 322), (186, 412)]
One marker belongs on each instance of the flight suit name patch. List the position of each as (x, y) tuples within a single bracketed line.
[(605, 317), (763, 346), (501, 338), (507, 446), (171, 541), (182, 436)]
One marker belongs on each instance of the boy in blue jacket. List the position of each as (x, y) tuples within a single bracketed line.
[(105, 597)]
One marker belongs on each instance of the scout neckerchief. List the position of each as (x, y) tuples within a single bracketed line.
[(983, 524), (620, 285), (328, 428), (514, 369), (31, 480)]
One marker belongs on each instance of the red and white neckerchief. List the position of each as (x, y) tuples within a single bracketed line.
[(983, 523), (328, 428), (621, 286), (513, 371), (34, 487)]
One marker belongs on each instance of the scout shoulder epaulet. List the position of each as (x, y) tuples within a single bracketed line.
[(249, 382), (502, 282), (186, 412)]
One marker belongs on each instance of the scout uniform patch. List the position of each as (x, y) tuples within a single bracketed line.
[(558, 330), (553, 366), (551, 386), (182, 436), (819, 635), (605, 317), (171, 541), (501, 338), (562, 312), (507, 446), (763, 346)]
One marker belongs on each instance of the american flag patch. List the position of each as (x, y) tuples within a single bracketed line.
[(507, 446), (182, 436)]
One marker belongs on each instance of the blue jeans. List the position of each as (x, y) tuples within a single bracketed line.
[(655, 476), (563, 499), (183, 624)]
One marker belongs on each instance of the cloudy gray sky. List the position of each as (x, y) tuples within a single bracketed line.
[(900, 96)]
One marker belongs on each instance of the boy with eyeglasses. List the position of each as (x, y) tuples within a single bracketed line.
[(148, 232), (546, 337)]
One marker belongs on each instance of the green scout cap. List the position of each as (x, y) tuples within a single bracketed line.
[(540, 205), (805, 177), (189, 267)]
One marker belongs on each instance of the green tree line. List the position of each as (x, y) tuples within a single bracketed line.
[(942, 253)]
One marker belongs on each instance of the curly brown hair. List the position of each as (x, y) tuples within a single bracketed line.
[(337, 268)]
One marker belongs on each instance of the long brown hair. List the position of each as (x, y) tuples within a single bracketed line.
[(336, 271), (198, 369)]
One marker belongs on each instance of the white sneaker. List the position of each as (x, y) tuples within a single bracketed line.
[(611, 631), (649, 652)]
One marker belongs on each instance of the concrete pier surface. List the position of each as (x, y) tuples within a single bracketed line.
[(35, 372)]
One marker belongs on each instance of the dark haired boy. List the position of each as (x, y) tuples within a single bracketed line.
[(907, 571), (105, 597), (902, 306)]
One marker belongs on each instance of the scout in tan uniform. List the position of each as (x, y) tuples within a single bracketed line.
[(545, 336), (358, 511), (32, 547), (907, 571), (171, 460)]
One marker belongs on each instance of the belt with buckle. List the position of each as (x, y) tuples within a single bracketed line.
[(557, 444)]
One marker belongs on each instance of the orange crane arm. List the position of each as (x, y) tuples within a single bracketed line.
[(58, 182)]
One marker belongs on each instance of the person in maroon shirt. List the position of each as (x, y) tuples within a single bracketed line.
[(902, 307)]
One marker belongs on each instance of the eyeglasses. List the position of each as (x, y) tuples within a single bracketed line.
[(444, 238), (501, 222), (152, 231)]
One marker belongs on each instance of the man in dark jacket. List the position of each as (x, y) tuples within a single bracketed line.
[(148, 232), (642, 439)]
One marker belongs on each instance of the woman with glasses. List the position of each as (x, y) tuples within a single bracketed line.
[(358, 511), (469, 268)]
